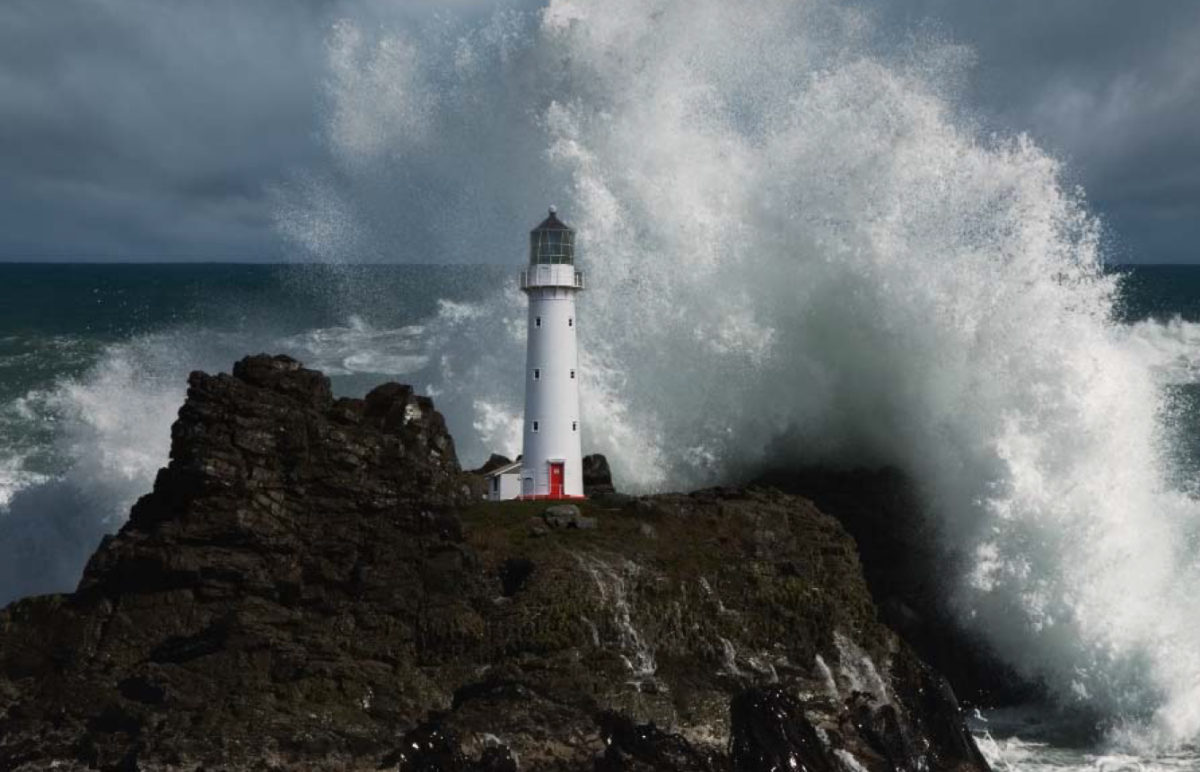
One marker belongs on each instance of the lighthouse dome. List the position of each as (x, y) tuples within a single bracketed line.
[(552, 242)]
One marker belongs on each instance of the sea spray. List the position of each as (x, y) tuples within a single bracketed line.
[(796, 241), (112, 432)]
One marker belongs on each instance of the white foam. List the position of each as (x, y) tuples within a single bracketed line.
[(357, 347), (15, 477), (112, 430), (1171, 348)]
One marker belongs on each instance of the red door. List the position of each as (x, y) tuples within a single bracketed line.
[(556, 480)]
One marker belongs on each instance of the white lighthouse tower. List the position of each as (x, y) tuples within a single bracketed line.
[(552, 464)]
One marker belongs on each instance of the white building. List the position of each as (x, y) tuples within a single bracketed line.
[(504, 482), (552, 462)]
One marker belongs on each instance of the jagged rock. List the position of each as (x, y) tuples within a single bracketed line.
[(309, 581), (597, 477), (770, 732), (903, 568)]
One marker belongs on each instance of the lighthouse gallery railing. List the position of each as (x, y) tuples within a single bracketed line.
[(551, 276)]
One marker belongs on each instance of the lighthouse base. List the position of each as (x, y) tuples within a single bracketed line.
[(547, 497)]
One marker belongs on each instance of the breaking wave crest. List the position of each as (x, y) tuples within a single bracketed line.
[(112, 433), (800, 250)]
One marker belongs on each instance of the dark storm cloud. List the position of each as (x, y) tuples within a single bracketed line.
[(140, 130), (136, 129)]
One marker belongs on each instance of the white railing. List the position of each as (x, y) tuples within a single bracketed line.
[(552, 276)]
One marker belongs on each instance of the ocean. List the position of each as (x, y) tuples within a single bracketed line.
[(94, 361)]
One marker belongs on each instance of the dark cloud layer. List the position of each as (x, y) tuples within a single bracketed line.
[(138, 129), (141, 130)]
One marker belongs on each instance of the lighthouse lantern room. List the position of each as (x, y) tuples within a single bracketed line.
[(552, 466)]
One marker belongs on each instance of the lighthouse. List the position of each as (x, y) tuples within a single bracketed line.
[(551, 465)]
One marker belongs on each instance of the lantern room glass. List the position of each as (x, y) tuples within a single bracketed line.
[(552, 247)]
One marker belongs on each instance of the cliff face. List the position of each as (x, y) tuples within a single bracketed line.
[(314, 584)]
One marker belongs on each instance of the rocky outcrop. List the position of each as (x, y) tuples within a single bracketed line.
[(313, 585)]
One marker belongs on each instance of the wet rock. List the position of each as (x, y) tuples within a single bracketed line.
[(432, 748), (632, 747), (770, 732), (902, 565)]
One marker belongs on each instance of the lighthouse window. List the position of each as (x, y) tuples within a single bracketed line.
[(570, 321), (537, 374), (537, 322), (572, 375), (536, 426), (574, 426), (552, 247)]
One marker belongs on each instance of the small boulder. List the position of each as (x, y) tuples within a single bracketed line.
[(568, 516), (597, 477)]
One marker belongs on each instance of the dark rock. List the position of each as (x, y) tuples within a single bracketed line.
[(496, 759), (927, 695), (597, 477), (429, 748), (903, 566), (630, 747), (771, 732), (308, 581), (515, 573), (432, 748)]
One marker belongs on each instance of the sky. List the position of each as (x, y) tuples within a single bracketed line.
[(137, 130)]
